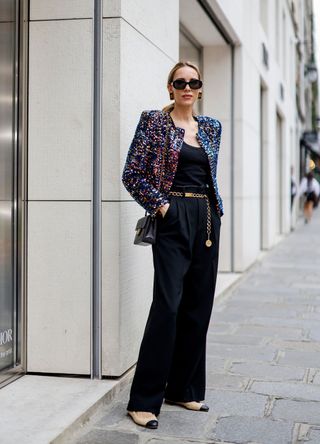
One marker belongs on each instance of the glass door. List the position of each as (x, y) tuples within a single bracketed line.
[(10, 297)]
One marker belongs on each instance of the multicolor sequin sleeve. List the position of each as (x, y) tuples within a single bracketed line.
[(216, 140), (136, 173)]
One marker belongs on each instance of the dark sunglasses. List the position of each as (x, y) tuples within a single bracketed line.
[(181, 84)]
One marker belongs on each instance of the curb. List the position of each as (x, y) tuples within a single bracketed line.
[(86, 417)]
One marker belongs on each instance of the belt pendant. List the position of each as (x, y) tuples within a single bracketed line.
[(208, 242)]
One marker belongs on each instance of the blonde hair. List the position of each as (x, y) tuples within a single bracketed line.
[(178, 65)]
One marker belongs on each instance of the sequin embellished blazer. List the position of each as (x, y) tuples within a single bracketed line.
[(141, 170)]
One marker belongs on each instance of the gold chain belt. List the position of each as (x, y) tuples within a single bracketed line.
[(187, 194)]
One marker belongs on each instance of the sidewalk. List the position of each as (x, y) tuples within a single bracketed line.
[(263, 361)]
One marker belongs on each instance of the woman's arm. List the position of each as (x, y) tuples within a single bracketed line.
[(316, 187), (302, 186), (136, 174), (216, 129)]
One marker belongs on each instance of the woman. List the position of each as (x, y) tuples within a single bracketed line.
[(171, 362), (310, 188)]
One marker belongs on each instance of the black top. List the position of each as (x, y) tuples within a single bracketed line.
[(193, 166)]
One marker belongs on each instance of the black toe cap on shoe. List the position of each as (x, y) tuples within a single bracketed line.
[(153, 424), (204, 408)]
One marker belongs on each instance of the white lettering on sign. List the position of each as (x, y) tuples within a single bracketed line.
[(5, 336), (6, 353)]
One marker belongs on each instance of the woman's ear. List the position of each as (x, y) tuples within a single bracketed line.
[(170, 90)]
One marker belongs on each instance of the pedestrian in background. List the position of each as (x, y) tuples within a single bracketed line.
[(293, 187), (172, 358), (310, 189)]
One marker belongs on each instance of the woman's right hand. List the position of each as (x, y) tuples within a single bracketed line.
[(164, 209)]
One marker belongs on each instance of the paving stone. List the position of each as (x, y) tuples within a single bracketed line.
[(226, 381), (312, 285), (298, 411), (314, 437), (216, 364), (170, 408), (262, 306), (312, 315), (316, 379), (288, 390), (279, 291), (275, 311), (184, 423), (300, 432), (269, 372), (163, 441), (225, 317), (176, 441), (309, 299), (225, 402), (300, 359), (305, 346), (271, 331), (240, 429), (274, 289), (314, 334), (216, 329), (262, 274), (253, 297), (283, 322), (262, 353), (309, 292), (260, 330), (234, 339), (305, 266), (97, 436)]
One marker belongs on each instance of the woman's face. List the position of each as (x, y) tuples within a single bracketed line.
[(186, 96)]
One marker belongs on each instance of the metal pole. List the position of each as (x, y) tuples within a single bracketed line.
[(232, 161), (96, 370)]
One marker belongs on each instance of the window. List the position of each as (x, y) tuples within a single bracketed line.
[(264, 15), (190, 51)]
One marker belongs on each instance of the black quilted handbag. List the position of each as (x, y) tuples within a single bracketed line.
[(146, 227)]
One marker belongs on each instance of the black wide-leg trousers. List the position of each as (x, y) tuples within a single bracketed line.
[(172, 357)]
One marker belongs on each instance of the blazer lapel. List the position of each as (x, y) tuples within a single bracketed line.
[(208, 147)]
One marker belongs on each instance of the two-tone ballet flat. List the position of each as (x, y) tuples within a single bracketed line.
[(190, 405), (146, 419)]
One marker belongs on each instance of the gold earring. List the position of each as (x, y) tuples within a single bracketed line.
[(171, 95), (200, 95)]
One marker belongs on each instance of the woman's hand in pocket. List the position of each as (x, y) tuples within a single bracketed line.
[(164, 209)]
